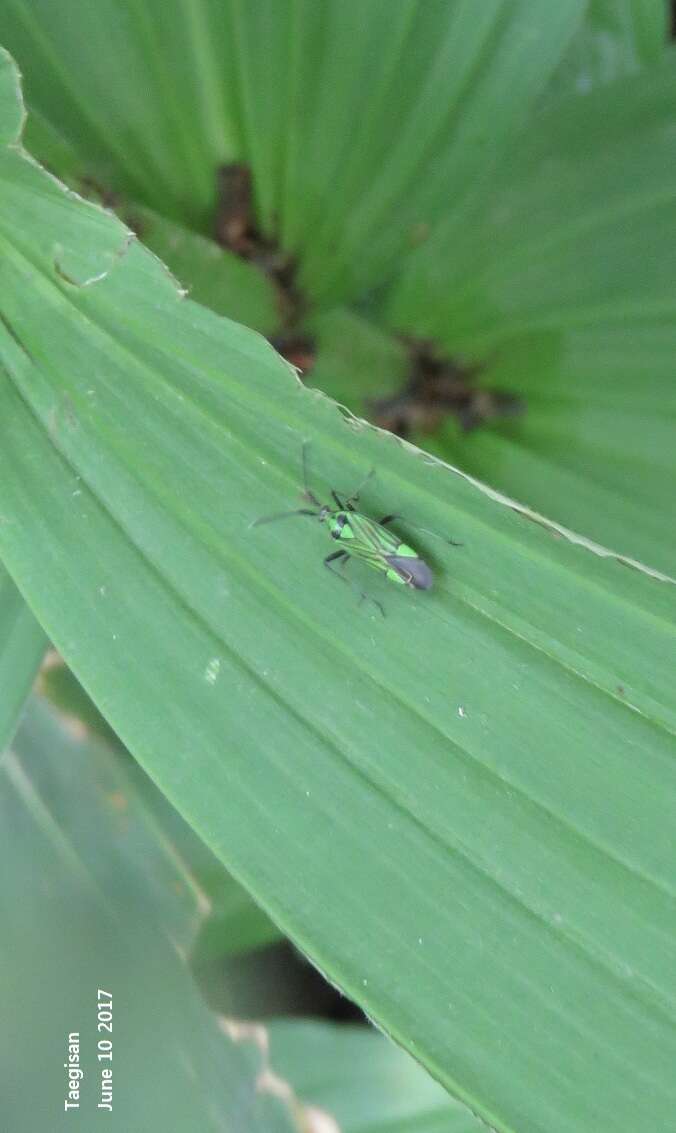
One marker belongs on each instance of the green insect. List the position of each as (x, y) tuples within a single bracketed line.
[(362, 538)]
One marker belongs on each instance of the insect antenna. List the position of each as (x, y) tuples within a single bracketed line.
[(353, 497), (307, 491), (282, 515)]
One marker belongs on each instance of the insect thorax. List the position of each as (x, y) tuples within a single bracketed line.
[(339, 525)]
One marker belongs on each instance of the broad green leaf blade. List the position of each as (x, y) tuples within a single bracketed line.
[(157, 95), (90, 899), (233, 923), (58, 685), (22, 644), (594, 447), (461, 812), (562, 283), (211, 274), (363, 1081), (578, 230), (129, 85), (451, 85), (355, 360)]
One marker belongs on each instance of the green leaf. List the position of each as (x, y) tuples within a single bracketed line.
[(363, 1081), (560, 279), (90, 899), (212, 275), (231, 922), (462, 812), (356, 361), (60, 687), (11, 107), (234, 923), (577, 230), (616, 38), (453, 84), (22, 644), (594, 447), (119, 83), (156, 96)]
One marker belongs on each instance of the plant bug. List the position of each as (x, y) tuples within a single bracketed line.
[(362, 538)]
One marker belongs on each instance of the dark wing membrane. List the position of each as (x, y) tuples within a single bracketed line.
[(415, 572)]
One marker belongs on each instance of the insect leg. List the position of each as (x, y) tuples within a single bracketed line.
[(345, 557), (388, 519), (333, 558)]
